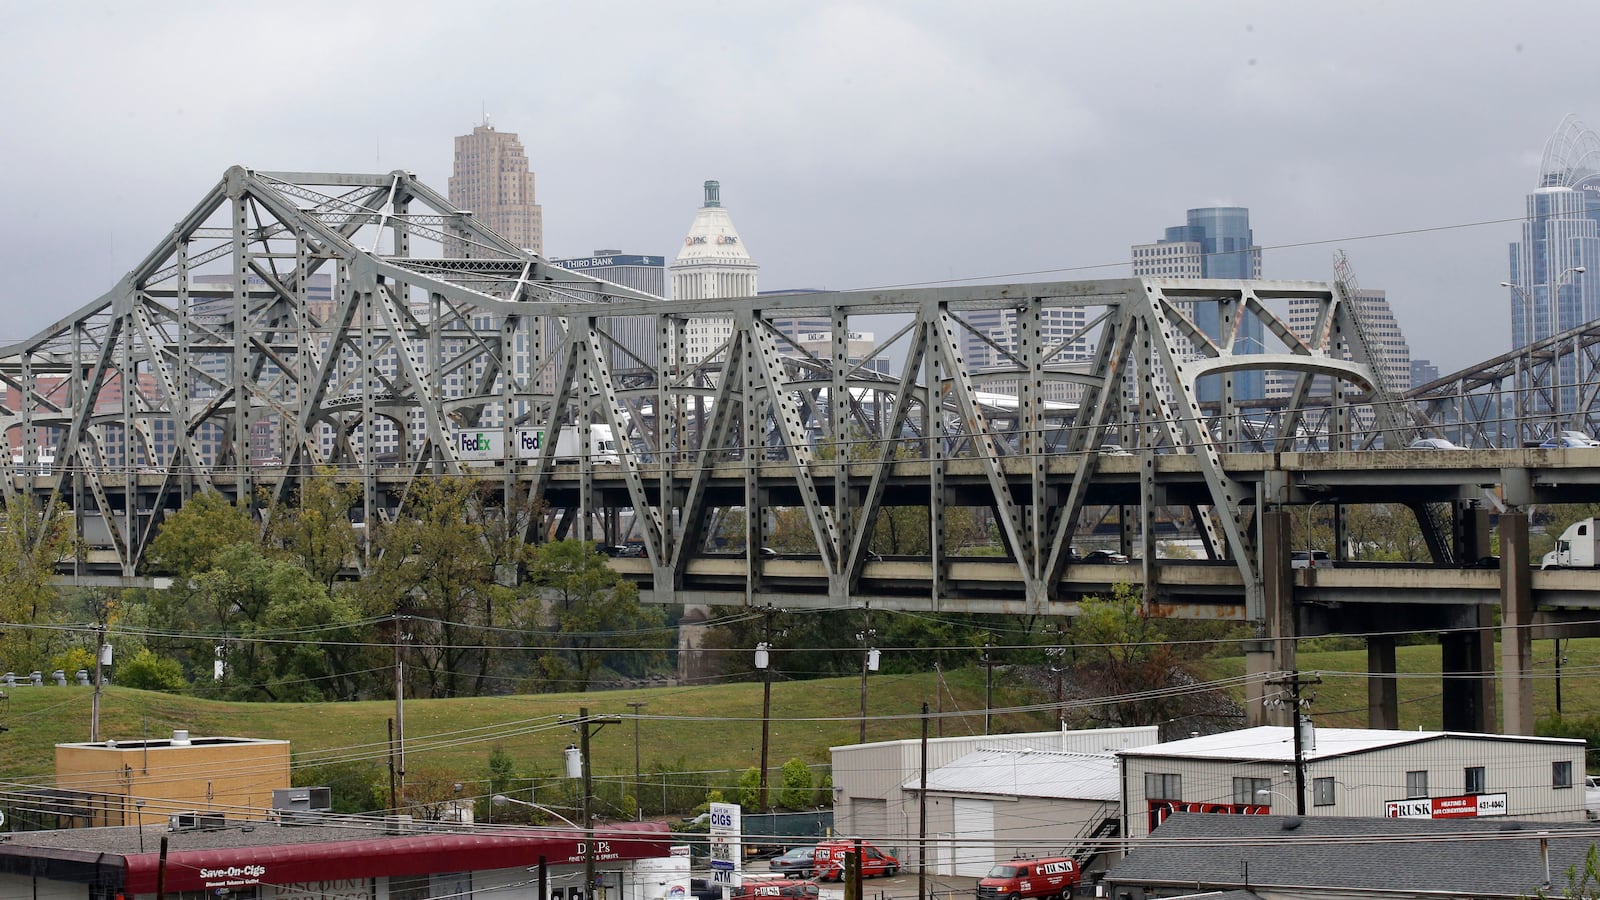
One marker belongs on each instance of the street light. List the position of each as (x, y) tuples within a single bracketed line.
[(502, 800), (1267, 792)]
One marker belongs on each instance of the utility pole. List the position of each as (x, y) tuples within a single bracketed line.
[(638, 788), (764, 664), (988, 685), (922, 812), (869, 662), (1058, 666), (399, 711), (100, 677), (588, 822), (1295, 682)]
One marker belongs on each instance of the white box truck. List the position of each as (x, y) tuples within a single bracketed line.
[(1577, 548), (483, 445)]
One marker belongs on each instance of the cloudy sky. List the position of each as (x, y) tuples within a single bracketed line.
[(859, 144)]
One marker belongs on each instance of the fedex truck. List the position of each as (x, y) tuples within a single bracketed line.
[(484, 445)]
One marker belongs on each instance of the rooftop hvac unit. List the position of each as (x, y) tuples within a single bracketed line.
[(398, 825), (189, 821), (303, 799)]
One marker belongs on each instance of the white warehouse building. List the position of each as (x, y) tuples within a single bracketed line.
[(1355, 772), (987, 794)]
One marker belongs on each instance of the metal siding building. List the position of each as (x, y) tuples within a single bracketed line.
[(1368, 769), (874, 792)]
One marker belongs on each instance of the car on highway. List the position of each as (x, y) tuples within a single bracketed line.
[(1434, 444), (1566, 440), (1106, 557), (800, 861)]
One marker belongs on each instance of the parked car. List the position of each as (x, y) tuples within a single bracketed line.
[(830, 859), (799, 861), (1591, 796), (1106, 557), (1434, 444), (1310, 559)]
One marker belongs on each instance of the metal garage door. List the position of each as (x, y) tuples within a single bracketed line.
[(974, 837), (870, 819)]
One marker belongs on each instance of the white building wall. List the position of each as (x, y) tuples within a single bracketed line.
[(1365, 782)]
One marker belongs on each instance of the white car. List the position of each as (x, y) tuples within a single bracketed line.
[(1434, 444), (1591, 796)]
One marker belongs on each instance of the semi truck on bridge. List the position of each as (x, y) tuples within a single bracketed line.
[(1577, 548)]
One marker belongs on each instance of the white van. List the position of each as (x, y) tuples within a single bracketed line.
[(1310, 559)]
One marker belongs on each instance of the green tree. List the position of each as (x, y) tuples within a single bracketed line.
[(750, 788), (590, 607), (149, 671), (1123, 651), (315, 529), (252, 600), (798, 791), (191, 539), (33, 542), (434, 568)]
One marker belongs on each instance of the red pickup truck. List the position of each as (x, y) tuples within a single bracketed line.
[(1020, 879)]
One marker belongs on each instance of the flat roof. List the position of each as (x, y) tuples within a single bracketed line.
[(1276, 743)]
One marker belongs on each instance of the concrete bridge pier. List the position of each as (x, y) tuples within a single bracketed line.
[(1383, 691), (1274, 650), (1516, 621), (1467, 654)]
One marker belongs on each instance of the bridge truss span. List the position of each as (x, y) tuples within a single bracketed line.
[(294, 324)]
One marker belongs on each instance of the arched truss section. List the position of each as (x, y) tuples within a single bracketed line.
[(1571, 154)]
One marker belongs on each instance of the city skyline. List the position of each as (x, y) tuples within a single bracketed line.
[(871, 143)]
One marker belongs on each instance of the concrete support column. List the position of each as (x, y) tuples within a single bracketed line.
[(1516, 621), (1383, 695), (1259, 665), (1468, 657), (1277, 582)]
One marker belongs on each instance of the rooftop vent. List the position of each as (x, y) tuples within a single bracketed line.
[(180, 737)]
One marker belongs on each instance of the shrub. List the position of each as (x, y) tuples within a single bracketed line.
[(149, 671)]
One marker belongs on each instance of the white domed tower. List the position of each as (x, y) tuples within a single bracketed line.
[(713, 262)]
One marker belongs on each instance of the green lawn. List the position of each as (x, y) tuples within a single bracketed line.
[(713, 727), (687, 728)]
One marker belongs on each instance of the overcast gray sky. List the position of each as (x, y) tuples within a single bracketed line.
[(858, 144)]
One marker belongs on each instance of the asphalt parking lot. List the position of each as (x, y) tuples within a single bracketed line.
[(904, 887)]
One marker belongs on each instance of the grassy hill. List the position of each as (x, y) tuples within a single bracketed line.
[(710, 727), (698, 728)]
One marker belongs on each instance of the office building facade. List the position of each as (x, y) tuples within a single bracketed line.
[(1214, 242), (633, 339), (493, 180), (1561, 235), (712, 263)]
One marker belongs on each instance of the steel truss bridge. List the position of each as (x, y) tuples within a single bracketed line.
[(297, 325)]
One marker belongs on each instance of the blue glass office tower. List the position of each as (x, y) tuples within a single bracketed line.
[(1216, 242), (1560, 236)]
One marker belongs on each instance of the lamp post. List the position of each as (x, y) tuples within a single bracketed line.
[(1268, 792), (502, 800)]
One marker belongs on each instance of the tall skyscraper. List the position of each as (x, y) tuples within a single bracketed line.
[(1560, 235), (492, 178), (1216, 242), (712, 263), (633, 337)]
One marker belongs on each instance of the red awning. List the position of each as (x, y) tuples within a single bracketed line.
[(416, 854)]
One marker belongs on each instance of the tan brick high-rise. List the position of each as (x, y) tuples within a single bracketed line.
[(492, 178)]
